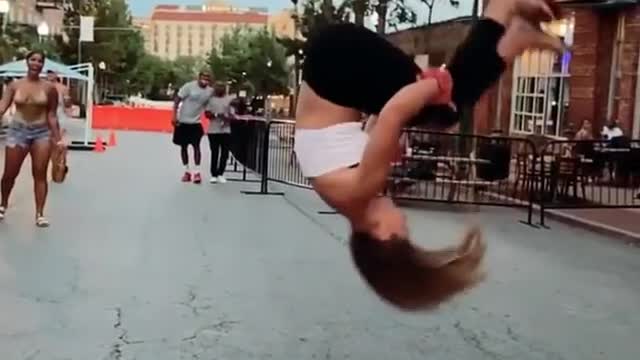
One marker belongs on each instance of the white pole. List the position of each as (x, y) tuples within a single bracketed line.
[(89, 109), (635, 130)]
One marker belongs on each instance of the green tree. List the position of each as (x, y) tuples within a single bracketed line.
[(431, 3), (119, 48), (317, 13), (251, 59), (150, 76), (19, 39), (185, 68)]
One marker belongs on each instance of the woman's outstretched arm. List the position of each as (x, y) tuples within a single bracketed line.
[(382, 147)]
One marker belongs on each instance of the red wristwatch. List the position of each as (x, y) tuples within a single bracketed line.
[(443, 78)]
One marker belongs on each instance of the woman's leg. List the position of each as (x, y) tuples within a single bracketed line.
[(224, 152), (184, 155), (40, 158), (489, 47), (213, 146), (13, 158)]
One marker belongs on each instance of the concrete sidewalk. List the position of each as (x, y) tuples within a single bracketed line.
[(140, 266)]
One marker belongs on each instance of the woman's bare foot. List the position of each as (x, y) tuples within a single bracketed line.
[(522, 35), (536, 11)]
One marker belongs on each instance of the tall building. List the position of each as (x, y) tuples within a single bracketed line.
[(173, 31), (34, 12), (282, 23), (143, 25)]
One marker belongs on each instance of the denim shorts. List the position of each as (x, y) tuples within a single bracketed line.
[(25, 135)]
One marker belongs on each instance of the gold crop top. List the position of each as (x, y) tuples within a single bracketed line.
[(31, 106)]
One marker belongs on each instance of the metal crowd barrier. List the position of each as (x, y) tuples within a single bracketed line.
[(468, 169), (246, 150), (461, 169), (588, 174), (282, 165)]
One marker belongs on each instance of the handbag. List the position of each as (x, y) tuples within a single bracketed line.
[(59, 168)]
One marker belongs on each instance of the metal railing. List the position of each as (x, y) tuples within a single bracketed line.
[(469, 169), (462, 169), (589, 174), (283, 165)]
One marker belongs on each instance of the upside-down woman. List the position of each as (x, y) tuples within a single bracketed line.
[(350, 70)]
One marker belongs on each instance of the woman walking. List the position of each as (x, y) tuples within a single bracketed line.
[(32, 131)]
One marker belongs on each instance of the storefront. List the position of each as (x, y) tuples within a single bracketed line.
[(540, 90), (548, 94)]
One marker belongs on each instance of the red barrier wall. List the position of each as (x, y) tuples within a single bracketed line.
[(135, 119), (142, 119)]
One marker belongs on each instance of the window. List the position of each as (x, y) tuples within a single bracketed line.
[(540, 91)]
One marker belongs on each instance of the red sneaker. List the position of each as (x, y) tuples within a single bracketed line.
[(186, 177), (197, 178)]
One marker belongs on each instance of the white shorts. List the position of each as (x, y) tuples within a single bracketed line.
[(320, 151)]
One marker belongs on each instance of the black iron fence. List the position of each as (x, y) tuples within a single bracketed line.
[(463, 169), (247, 149), (589, 174), (283, 165), (468, 169)]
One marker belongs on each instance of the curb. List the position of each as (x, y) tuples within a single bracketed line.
[(594, 226), (600, 228)]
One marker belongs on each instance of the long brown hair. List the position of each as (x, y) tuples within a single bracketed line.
[(411, 278)]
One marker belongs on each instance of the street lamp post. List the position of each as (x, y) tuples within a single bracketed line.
[(5, 7), (43, 30), (296, 70), (267, 98), (102, 81), (467, 123)]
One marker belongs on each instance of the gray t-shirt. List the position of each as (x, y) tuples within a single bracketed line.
[(194, 100), (221, 108)]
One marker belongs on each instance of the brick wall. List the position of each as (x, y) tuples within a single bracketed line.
[(628, 67)]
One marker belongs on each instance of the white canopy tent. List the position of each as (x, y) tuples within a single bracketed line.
[(80, 72)]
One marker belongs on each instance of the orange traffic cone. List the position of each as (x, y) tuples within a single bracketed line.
[(99, 147), (112, 138)]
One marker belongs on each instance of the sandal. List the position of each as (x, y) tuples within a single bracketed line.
[(42, 222), (3, 210)]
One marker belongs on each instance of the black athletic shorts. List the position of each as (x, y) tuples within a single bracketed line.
[(187, 134)]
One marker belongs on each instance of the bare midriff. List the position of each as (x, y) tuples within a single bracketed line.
[(314, 112)]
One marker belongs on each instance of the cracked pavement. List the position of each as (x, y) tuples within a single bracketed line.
[(138, 266)]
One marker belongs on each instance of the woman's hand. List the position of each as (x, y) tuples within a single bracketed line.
[(411, 99)]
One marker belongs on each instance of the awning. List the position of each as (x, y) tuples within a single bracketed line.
[(19, 68)]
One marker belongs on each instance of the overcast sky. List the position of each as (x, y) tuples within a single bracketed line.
[(442, 9)]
